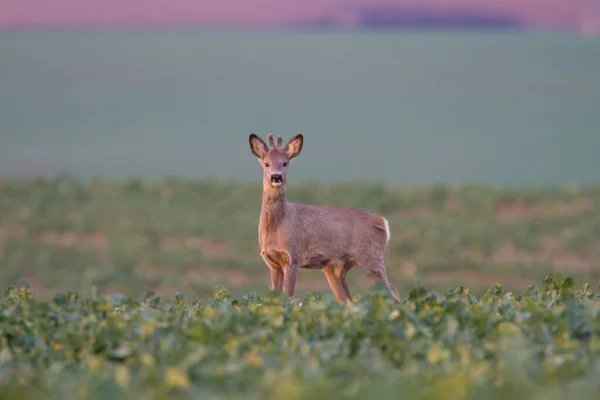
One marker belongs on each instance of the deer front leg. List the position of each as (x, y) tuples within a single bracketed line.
[(283, 270), (289, 278), (276, 278), (275, 270)]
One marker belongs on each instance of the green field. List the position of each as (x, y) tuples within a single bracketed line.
[(154, 288), (186, 236), (415, 107), (123, 295), (543, 344)]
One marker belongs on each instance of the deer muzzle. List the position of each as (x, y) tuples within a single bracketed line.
[(276, 179)]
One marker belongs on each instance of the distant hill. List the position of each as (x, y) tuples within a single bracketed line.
[(263, 13), (386, 16)]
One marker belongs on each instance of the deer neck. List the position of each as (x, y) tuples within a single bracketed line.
[(274, 209)]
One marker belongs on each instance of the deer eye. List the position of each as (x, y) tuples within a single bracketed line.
[(285, 163), (267, 164)]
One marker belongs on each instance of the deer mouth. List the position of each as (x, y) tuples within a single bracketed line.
[(276, 180)]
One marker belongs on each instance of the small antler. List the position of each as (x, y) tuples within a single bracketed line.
[(279, 141), (271, 140)]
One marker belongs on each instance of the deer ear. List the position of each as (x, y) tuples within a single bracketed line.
[(294, 146), (257, 146)]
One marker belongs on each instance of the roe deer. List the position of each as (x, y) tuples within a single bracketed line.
[(333, 239)]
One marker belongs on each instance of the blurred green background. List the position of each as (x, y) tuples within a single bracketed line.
[(404, 107), (480, 148)]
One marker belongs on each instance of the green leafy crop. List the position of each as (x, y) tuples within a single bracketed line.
[(542, 344)]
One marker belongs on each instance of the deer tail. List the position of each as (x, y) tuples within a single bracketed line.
[(385, 227)]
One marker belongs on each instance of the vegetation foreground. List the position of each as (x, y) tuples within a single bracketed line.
[(543, 344), (110, 242)]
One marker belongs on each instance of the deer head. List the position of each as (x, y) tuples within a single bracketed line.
[(275, 160)]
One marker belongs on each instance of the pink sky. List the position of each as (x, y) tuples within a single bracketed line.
[(567, 13)]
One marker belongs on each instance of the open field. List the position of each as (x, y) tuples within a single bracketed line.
[(122, 295), (501, 108), (540, 344), (90, 252), (187, 236)]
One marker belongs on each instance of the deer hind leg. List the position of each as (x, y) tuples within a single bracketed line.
[(342, 277), (374, 269), (335, 284)]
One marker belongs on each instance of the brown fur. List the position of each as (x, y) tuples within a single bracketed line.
[(333, 239)]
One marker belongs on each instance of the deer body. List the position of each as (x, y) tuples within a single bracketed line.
[(333, 239)]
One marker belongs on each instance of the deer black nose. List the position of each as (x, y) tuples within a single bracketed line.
[(276, 178)]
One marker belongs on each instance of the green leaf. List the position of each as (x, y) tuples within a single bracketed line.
[(568, 283)]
